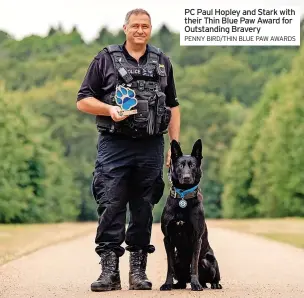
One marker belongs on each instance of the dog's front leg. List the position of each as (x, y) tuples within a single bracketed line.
[(167, 286), (195, 284)]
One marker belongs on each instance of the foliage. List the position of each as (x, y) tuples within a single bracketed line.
[(245, 103), (261, 173), (36, 183), (278, 173)]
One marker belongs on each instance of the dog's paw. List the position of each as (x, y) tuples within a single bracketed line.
[(196, 286), (166, 287), (204, 286), (179, 285), (216, 286)]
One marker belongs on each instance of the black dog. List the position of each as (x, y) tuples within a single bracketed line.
[(189, 255)]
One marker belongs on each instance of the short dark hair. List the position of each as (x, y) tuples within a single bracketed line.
[(136, 11)]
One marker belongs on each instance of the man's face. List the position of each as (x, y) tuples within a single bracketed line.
[(138, 30)]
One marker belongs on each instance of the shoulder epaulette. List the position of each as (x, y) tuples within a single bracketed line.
[(113, 48), (154, 50)]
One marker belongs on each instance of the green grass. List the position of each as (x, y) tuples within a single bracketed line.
[(293, 239), (19, 240), (286, 230)]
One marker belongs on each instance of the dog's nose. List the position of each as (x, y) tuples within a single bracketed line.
[(186, 178)]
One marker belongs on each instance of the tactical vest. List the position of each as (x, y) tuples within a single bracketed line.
[(148, 82)]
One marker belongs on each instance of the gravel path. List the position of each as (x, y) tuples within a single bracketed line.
[(250, 267)]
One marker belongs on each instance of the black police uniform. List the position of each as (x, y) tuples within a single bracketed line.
[(130, 153)]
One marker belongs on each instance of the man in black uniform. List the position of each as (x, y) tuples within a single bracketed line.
[(130, 150)]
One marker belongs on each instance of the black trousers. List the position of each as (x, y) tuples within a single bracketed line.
[(127, 170)]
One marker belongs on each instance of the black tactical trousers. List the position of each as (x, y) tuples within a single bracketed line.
[(127, 170)]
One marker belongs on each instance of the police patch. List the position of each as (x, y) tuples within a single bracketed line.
[(141, 71)]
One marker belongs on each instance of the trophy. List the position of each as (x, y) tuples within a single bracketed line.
[(126, 100)]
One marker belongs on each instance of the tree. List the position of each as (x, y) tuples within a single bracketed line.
[(4, 36), (75, 130), (52, 31), (246, 159), (120, 37), (237, 171), (165, 38), (226, 76), (77, 38), (278, 181), (35, 181), (105, 37)]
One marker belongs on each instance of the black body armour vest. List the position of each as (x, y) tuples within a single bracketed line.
[(147, 84)]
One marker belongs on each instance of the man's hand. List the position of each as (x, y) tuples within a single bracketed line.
[(114, 113), (168, 158)]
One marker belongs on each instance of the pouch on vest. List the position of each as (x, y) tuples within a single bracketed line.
[(165, 120), (163, 115), (159, 109), (141, 118), (161, 71)]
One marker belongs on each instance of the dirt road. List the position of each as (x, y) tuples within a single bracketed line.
[(250, 267)]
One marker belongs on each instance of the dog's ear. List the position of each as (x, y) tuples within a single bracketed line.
[(197, 150), (176, 150)]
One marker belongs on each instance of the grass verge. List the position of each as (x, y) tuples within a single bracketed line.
[(286, 230), (21, 239)]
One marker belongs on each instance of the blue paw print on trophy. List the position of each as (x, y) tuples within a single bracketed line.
[(125, 98)]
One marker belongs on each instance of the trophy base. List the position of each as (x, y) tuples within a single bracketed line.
[(127, 113)]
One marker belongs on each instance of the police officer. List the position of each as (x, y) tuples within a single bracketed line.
[(130, 151)]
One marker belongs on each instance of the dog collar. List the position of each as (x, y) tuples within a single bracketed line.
[(184, 194)]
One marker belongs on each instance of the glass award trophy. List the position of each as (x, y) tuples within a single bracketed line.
[(126, 100)]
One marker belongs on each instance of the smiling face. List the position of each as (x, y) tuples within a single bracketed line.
[(138, 29)]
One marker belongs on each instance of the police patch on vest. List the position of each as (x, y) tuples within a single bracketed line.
[(141, 72), (126, 100)]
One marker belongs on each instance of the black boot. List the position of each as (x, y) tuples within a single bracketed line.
[(109, 278), (138, 279)]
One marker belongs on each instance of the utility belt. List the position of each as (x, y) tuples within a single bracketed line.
[(152, 118)]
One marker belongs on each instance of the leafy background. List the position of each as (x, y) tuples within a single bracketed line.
[(246, 103)]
